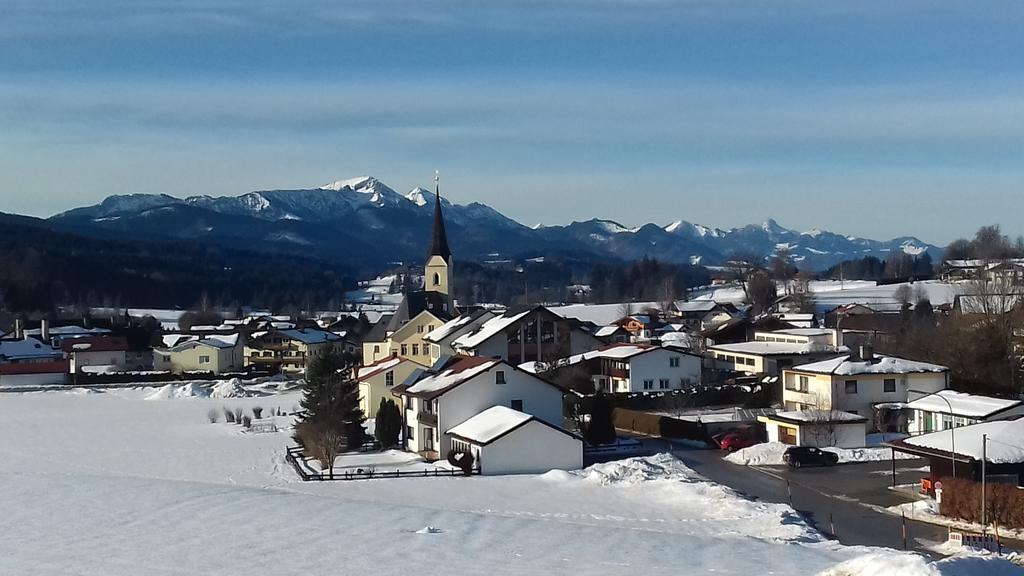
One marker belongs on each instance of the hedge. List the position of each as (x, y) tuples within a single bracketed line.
[(962, 499)]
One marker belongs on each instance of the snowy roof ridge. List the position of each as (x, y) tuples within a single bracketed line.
[(963, 404), (1005, 443), (879, 364)]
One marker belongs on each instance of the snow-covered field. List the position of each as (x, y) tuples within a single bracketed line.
[(831, 293), (770, 454), (114, 484)]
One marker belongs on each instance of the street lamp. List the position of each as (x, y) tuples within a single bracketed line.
[(952, 436)]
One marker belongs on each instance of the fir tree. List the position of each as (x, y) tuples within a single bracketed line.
[(388, 423), (601, 428), (330, 399)]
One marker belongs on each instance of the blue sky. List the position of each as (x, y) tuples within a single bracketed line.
[(878, 119)]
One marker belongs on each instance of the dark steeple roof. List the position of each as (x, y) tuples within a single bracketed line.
[(439, 242)]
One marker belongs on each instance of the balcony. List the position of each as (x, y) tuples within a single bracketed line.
[(427, 419)]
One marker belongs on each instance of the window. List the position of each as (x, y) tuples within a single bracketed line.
[(663, 384), (405, 349), (889, 385), (376, 348), (415, 349), (851, 386), (428, 438), (673, 362), (749, 361), (648, 384), (430, 327), (419, 329), (437, 279), (517, 405), (204, 359), (408, 433), (499, 377), (389, 378)]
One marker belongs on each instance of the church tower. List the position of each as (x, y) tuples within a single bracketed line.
[(438, 269)]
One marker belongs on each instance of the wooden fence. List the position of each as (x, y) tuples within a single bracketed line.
[(656, 425), (294, 457)]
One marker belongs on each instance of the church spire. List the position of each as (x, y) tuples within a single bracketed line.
[(439, 242)]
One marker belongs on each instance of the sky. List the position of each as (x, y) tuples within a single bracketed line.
[(879, 119)]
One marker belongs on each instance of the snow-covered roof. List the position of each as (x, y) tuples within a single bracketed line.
[(814, 415), (229, 339), (310, 335), (604, 331), (210, 342), (962, 404), (1005, 441), (27, 349), (696, 306), (759, 348), (490, 424), (846, 366), (68, 331), (379, 366), (602, 314), (803, 331), (457, 371), (488, 329)]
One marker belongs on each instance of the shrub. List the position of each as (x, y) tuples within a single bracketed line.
[(247, 421), (213, 415), (1004, 502), (257, 412), (238, 415), (229, 416)]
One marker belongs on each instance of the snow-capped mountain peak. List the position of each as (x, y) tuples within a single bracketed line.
[(418, 196), (772, 227), (360, 183), (813, 233)]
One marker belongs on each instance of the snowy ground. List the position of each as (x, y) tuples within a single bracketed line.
[(926, 511), (113, 484), (770, 454)]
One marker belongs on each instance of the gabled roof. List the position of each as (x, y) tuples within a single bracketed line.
[(27, 349), (371, 370), (419, 301), (847, 366), (454, 325), (208, 342), (379, 332), (310, 335), (491, 328), (95, 344), (696, 306), (495, 423), (814, 416), (457, 370), (762, 348)]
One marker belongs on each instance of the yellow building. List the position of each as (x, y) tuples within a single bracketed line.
[(216, 355), (377, 380)]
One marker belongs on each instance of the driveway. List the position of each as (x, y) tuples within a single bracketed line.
[(840, 496)]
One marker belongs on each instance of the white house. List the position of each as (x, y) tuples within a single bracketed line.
[(771, 352), (94, 351), (948, 409), (856, 383), (461, 388), (440, 339), (638, 368), (819, 428), (507, 441), (29, 362)]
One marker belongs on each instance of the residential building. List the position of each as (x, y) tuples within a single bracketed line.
[(464, 386), (289, 351), (621, 368), (819, 428), (505, 441), (378, 380), (703, 314), (532, 334), (217, 355), (858, 382), (1000, 444), (29, 362), (772, 352), (109, 352), (612, 334), (947, 409)]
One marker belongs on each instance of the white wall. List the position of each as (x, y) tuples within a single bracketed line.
[(539, 398), (871, 390), (850, 435), (81, 358), (531, 449), (32, 379), (655, 365)]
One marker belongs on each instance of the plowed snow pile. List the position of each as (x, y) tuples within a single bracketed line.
[(229, 389), (178, 391)]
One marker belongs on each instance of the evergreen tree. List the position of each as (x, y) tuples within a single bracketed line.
[(330, 399), (601, 428), (388, 424)]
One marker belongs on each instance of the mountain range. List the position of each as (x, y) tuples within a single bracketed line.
[(363, 222)]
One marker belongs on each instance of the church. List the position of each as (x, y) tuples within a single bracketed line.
[(422, 310)]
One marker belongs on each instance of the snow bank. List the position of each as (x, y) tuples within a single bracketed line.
[(770, 454), (179, 391), (229, 389), (894, 564)]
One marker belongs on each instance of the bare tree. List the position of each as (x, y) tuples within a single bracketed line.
[(822, 422), (761, 292), (904, 294), (743, 265)]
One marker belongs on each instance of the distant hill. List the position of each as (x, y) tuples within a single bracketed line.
[(364, 223)]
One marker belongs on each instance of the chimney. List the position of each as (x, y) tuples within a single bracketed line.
[(867, 353), (18, 329), (837, 337), (44, 330)]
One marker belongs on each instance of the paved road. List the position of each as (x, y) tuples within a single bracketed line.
[(839, 496)]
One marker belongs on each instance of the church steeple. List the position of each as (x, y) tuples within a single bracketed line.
[(439, 242), (438, 269)]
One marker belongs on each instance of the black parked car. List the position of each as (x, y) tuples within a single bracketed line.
[(799, 456)]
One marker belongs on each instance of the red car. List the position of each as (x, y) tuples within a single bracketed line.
[(732, 441)]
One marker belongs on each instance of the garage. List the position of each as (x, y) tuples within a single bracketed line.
[(507, 441)]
